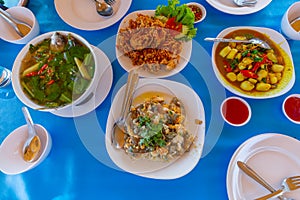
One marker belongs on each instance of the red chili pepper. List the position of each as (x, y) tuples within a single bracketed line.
[(172, 24), (32, 74), (43, 68), (228, 67), (256, 66), (50, 82), (249, 74)]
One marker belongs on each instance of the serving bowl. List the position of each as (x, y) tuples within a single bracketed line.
[(17, 73), (11, 154), (278, 44)]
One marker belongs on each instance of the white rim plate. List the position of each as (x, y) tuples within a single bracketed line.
[(277, 38), (274, 156), (100, 93), (82, 14), (230, 8), (151, 169), (126, 63)]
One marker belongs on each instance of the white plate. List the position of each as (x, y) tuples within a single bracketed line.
[(82, 14), (273, 156), (158, 170), (228, 6), (277, 38), (126, 63), (101, 92)]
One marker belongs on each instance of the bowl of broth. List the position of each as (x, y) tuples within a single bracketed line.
[(54, 71)]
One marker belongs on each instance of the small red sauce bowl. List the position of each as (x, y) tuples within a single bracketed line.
[(291, 108), (235, 111)]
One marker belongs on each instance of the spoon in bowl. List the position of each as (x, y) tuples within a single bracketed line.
[(32, 145), (103, 8), (20, 27), (118, 131), (256, 41)]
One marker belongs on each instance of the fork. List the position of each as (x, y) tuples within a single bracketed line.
[(110, 2), (245, 2), (288, 184)]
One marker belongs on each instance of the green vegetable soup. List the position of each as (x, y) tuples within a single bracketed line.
[(55, 77)]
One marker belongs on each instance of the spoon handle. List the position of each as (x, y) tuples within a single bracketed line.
[(31, 130), (224, 40), (129, 91)]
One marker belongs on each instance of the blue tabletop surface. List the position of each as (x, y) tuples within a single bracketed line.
[(75, 169)]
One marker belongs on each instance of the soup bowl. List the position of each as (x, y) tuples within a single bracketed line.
[(25, 86)]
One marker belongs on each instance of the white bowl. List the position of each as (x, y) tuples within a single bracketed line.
[(237, 110), (17, 65), (11, 154), (202, 8), (8, 33), (292, 115), (292, 13)]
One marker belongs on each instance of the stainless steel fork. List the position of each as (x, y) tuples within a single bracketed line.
[(288, 184), (110, 2)]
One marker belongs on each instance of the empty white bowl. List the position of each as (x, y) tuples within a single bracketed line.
[(11, 154), (8, 33)]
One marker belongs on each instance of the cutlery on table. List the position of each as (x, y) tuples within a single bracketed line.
[(118, 131), (255, 176), (288, 184), (257, 41), (242, 3)]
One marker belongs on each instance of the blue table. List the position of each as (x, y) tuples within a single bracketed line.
[(73, 171)]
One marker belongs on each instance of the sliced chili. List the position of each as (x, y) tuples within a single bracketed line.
[(249, 74)]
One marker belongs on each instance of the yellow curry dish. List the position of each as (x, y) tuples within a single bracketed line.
[(251, 69)]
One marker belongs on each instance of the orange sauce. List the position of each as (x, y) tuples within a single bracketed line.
[(23, 29), (296, 25), (33, 149), (147, 95)]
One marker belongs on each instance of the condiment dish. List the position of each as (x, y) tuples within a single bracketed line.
[(201, 13), (291, 108), (235, 111), (11, 154), (8, 33)]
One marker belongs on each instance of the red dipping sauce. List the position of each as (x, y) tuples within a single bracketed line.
[(291, 108), (235, 111)]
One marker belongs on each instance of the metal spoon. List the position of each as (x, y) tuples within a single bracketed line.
[(20, 27), (118, 131), (32, 145), (103, 8), (242, 3), (257, 41)]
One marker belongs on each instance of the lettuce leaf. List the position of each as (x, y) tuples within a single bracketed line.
[(183, 15)]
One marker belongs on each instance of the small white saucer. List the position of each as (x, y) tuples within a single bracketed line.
[(100, 93)]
